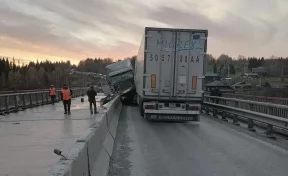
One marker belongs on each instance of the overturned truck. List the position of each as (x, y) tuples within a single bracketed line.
[(120, 77)]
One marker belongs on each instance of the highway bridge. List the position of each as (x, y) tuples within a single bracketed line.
[(237, 136)]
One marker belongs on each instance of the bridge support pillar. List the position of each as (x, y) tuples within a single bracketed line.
[(269, 132), (235, 120), (251, 125), (224, 116)]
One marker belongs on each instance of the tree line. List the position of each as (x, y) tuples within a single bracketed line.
[(224, 63), (38, 75)]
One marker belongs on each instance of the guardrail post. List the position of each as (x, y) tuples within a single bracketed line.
[(202, 109), (269, 111), (224, 116), (251, 107), (42, 98), (236, 104), (207, 110), (7, 105), (31, 102), (224, 102), (235, 120), (24, 102), (47, 98), (16, 102), (215, 113), (58, 96), (269, 132), (251, 125), (37, 103)]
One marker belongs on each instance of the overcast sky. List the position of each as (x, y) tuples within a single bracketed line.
[(77, 29)]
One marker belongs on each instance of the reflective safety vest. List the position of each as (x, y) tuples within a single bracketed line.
[(52, 91), (66, 94)]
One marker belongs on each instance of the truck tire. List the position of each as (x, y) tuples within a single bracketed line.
[(141, 108)]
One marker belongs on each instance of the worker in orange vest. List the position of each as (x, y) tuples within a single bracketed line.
[(52, 93), (66, 94)]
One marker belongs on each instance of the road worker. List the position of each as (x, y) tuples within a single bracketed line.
[(91, 93), (52, 93), (66, 94)]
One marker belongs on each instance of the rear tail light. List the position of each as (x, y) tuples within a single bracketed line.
[(153, 81), (150, 106), (194, 82), (194, 108)]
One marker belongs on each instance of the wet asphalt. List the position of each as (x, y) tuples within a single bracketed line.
[(205, 148)]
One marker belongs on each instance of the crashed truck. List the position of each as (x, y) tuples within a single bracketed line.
[(120, 78)]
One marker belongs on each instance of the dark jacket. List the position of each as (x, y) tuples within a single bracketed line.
[(91, 93), (71, 93)]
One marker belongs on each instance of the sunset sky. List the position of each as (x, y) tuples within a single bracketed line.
[(76, 29)]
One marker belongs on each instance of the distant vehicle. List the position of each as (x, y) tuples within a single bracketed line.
[(169, 73)]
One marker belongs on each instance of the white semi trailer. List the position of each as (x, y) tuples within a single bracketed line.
[(169, 72)]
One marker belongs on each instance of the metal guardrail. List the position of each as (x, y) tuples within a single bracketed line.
[(279, 110), (248, 109), (26, 91), (275, 100), (19, 101)]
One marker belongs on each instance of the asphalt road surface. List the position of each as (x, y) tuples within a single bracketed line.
[(205, 148)]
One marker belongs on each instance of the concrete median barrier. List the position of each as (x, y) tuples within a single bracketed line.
[(90, 155)]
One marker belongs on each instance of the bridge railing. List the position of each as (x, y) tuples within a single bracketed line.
[(256, 106), (275, 100), (268, 113), (17, 101)]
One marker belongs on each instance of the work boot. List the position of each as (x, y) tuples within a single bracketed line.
[(65, 112), (95, 112), (69, 112)]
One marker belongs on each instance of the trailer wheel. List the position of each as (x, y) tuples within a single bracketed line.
[(142, 112)]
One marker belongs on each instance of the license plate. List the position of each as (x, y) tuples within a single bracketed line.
[(172, 105), (159, 117)]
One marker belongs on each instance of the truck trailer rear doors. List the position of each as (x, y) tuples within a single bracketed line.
[(174, 62), (159, 63)]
